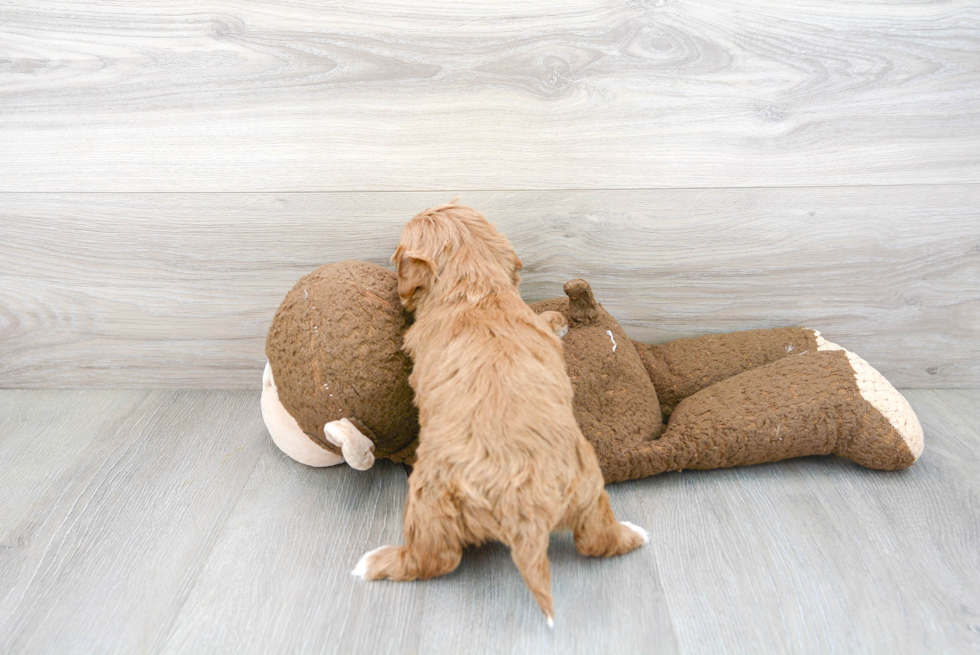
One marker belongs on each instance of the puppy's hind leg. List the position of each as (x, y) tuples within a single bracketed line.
[(529, 550), (432, 546), (599, 534)]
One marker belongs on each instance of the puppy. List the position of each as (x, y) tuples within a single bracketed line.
[(500, 455)]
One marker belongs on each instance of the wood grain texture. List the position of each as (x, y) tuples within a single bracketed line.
[(601, 605), (820, 555), (178, 290), (304, 529), (175, 526), (111, 545), (228, 95), (45, 437)]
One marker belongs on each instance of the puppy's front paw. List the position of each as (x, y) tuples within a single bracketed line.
[(370, 566), (556, 321)]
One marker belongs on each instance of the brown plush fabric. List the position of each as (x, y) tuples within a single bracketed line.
[(803, 405), (683, 367), (335, 351), (733, 399), (615, 403)]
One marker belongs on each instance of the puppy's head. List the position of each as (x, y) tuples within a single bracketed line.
[(448, 244)]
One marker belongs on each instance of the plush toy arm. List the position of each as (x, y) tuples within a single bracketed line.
[(827, 401), (681, 368), (285, 431), (358, 449)]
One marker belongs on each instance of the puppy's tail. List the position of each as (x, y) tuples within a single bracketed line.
[(529, 551)]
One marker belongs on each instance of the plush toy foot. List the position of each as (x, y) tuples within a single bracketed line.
[(285, 431), (823, 402), (358, 449), (902, 422)]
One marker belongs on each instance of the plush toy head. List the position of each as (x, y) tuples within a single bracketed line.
[(335, 352)]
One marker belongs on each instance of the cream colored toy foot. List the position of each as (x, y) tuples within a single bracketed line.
[(358, 450), (285, 431), (882, 396)]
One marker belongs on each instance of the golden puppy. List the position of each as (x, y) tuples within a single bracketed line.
[(500, 454)]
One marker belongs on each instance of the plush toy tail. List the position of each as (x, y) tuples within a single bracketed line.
[(828, 401)]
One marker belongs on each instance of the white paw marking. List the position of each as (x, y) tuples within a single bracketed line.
[(551, 621), (609, 332), (638, 530), (362, 564)]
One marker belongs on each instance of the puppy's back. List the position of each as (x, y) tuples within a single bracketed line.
[(495, 404)]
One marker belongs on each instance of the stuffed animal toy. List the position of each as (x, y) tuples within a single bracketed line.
[(340, 387), (731, 399), (336, 387)]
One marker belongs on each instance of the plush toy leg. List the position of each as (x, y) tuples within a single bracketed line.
[(681, 368), (285, 431), (827, 401)]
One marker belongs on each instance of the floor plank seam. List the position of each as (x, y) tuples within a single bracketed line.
[(166, 633)]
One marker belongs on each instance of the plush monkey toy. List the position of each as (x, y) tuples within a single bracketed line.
[(336, 387)]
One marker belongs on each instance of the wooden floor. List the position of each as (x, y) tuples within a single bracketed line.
[(166, 521)]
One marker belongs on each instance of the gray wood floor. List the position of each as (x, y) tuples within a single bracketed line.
[(166, 521)]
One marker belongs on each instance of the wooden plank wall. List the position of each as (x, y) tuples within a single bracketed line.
[(169, 169)]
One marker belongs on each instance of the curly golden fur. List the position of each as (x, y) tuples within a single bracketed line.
[(500, 454)]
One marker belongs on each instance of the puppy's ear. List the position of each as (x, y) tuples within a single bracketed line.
[(415, 272), (516, 264)]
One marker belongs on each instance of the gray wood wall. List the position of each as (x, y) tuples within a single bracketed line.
[(169, 169)]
